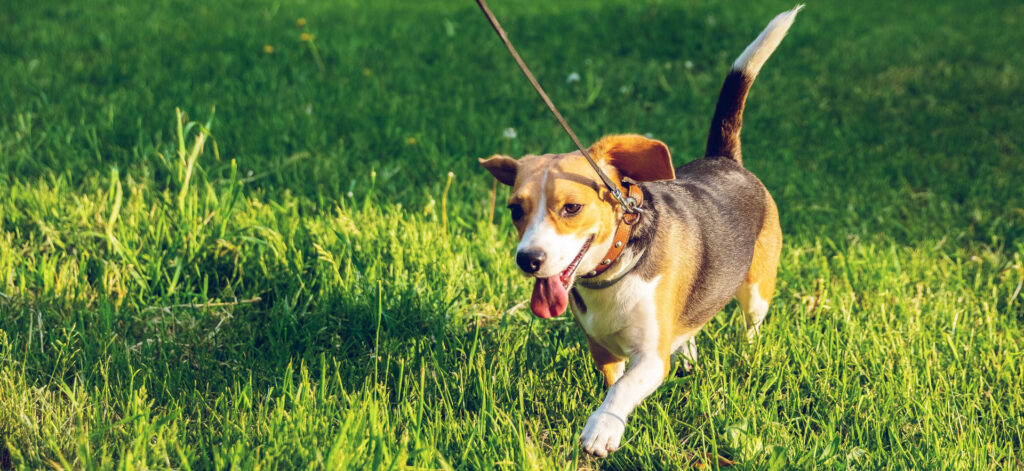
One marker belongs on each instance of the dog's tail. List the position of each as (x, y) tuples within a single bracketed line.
[(724, 136)]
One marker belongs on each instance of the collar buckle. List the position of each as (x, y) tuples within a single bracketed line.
[(631, 214)]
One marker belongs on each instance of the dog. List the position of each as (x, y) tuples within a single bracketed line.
[(643, 285)]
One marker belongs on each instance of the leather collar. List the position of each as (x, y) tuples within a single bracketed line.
[(622, 232)]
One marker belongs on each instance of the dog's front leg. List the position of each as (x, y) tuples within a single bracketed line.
[(606, 425)]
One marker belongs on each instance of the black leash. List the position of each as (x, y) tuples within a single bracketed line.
[(628, 204)]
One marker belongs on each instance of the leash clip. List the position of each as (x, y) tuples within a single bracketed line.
[(629, 204)]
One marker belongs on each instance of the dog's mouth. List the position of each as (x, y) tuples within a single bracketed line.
[(550, 295), (567, 274)]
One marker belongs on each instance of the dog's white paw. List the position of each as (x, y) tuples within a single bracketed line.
[(602, 434)]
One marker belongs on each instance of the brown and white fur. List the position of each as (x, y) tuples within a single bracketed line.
[(709, 232)]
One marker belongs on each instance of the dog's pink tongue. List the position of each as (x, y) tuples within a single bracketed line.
[(549, 297)]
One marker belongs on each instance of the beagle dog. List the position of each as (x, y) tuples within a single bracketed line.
[(643, 285)]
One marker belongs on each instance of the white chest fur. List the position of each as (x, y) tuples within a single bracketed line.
[(622, 317)]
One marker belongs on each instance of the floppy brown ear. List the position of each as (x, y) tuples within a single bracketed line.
[(636, 157), (502, 167)]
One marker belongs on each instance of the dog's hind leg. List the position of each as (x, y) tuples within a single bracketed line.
[(685, 349), (759, 285)]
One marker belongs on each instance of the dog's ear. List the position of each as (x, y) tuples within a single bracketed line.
[(636, 157), (502, 167)]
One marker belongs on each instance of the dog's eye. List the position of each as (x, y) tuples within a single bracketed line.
[(571, 208), (516, 211)]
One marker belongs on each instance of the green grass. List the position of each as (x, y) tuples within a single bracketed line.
[(301, 291)]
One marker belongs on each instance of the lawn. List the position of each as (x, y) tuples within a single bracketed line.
[(254, 234)]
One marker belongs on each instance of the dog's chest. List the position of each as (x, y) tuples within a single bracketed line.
[(623, 317)]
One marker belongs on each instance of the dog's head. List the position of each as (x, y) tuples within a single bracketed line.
[(565, 216)]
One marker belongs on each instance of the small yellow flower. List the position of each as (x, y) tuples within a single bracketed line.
[(268, 49), (367, 72), (411, 141), (306, 37), (301, 22)]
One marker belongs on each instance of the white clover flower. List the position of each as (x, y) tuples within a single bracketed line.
[(624, 90), (309, 109), (649, 135), (509, 133), (573, 77), (350, 195), (688, 64)]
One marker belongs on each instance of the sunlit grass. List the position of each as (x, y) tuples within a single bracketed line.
[(224, 243)]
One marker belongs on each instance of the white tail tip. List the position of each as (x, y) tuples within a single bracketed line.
[(757, 53)]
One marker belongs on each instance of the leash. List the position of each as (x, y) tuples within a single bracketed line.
[(629, 204)]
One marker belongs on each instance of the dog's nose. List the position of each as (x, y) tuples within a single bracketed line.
[(530, 260)]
